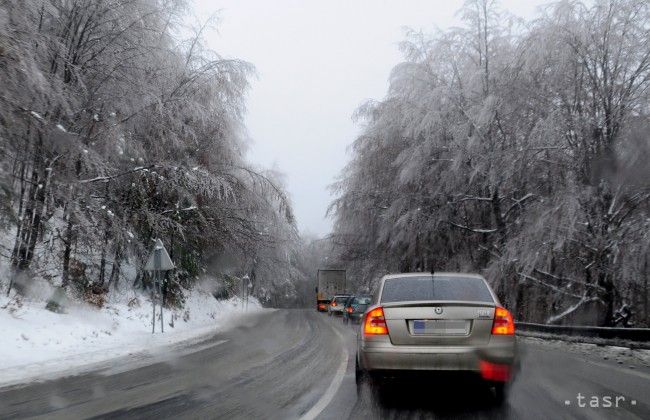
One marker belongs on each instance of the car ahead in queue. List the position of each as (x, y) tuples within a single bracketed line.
[(354, 308), (425, 325), (322, 305), (336, 305)]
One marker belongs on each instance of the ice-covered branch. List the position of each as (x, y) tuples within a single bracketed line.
[(121, 174), (549, 286), (471, 229), (571, 309)]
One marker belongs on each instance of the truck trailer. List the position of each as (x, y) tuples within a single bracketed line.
[(329, 283)]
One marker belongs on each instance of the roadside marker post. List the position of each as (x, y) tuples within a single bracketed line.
[(159, 262), (249, 286), (243, 292), (246, 285)]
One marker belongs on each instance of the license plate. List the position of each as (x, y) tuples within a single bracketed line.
[(439, 327)]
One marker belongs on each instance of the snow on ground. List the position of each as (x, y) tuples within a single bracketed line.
[(37, 344), (622, 355)]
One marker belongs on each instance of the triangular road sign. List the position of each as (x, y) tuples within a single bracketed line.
[(159, 259)]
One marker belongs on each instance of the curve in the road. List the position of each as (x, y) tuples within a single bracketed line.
[(284, 363)]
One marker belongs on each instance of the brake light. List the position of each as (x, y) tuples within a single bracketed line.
[(333, 303), (503, 323), (375, 323), (349, 309), (494, 372)]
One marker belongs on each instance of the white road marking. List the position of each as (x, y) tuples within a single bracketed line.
[(334, 385)]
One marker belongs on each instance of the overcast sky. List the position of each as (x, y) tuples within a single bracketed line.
[(317, 60)]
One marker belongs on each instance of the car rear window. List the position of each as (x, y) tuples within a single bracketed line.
[(361, 301), (411, 288)]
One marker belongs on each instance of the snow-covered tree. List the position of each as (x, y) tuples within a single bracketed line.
[(506, 147), (113, 132)]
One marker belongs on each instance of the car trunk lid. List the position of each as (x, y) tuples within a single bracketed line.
[(443, 323)]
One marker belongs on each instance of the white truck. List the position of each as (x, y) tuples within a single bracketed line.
[(329, 284)]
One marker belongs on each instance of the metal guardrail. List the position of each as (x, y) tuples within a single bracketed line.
[(607, 333)]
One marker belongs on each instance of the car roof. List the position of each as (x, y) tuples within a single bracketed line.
[(436, 274)]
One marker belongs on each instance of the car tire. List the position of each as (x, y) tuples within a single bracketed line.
[(366, 385), (329, 313), (345, 319), (500, 393), (360, 377)]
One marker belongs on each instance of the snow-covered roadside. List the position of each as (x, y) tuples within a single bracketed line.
[(38, 344), (621, 355)]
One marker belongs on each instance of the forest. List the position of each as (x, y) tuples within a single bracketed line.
[(119, 126), (516, 149)]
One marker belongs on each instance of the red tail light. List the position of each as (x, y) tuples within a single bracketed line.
[(494, 372), (349, 309), (375, 323), (503, 323), (333, 303)]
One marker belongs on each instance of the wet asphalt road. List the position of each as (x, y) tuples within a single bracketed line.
[(288, 363)]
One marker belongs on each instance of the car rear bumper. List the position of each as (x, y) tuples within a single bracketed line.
[(356, 317), (381, 355), (420, 361)]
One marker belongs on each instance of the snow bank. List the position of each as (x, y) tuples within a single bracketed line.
[(37, 344), (621, 355)]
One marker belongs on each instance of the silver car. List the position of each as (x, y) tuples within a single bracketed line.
[(422, 323), (337, 304)]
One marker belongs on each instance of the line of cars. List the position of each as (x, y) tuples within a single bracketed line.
[(425, 325), (350, 307)]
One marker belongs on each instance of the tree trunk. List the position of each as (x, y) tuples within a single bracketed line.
[(19, 229), (67, 251), (609, 297), (645, 292), (102, 261), (498, 218), (114, 278)]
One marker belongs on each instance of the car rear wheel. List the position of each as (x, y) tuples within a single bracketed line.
[(500, 393), (366, 385)]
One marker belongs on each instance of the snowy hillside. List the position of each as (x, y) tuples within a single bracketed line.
[(37, 343)]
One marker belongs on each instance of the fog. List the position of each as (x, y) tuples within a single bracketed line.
[(317, 61)]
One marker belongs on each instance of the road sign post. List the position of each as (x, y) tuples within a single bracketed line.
[(243, 292), (246, 285), (249, 286), (159, 262)]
